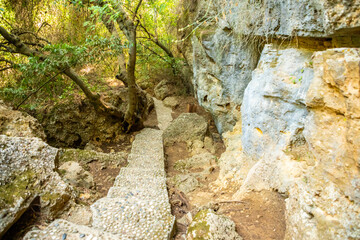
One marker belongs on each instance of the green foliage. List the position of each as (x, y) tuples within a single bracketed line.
[(79, 38), (59, 57)]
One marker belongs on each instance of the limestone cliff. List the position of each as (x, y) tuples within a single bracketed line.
[(282, 80)]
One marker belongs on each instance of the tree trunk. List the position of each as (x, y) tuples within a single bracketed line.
[(110, 26), (130, 116), (128, 27)]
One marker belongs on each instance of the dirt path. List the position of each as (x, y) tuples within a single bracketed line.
[(258, 215)]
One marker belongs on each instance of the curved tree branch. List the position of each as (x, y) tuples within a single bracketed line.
[(94, 98)]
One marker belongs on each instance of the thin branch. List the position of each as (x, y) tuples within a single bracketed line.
[(6, 68), (7, 49), (154, 39), (7, 61), (155, 53), (34, 35), (34, 44), (12, 65), (8, 23), (38, 89), (94, 98), (137, 9), (43, 25)]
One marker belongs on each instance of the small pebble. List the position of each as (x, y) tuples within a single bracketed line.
[(82, 235), (64, 236)]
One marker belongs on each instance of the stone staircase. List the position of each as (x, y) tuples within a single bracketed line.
[(137, 206)]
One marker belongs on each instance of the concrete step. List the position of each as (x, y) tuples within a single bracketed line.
[(139, 181), (140, 193), (139, 158), (146, 172), (146, 144), (149, 134), (163, 114), (62, 229), (147, 165), (140, 219), (147, 151)]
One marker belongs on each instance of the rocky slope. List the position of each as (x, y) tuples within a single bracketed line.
[(27, 169), (282, 80)]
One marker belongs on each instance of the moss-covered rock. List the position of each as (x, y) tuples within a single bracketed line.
[(27, 167), (23, 185), (207, 225), (83, 157)]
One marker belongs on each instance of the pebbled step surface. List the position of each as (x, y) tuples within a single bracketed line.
[(62, 229), (140, 219), (137, 206), (139, 193)]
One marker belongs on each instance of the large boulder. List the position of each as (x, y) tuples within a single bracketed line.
[(172, 102), (186, 128), (186, 183), (299, 135), (27, 167), (166, 88), (207, 225), (18, 124), (194, 170)]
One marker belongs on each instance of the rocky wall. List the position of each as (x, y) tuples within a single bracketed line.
[(300, 136), (289, 118), (230, 35)]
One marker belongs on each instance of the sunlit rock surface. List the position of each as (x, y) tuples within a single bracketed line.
[(18, 124), (300, 136)]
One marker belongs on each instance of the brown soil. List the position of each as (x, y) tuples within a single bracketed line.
[(259, 215), (104, 173), (151, 121)]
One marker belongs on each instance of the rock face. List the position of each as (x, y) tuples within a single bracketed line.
[(27, 171), (18, 124), (222, 69), (208, 225), (292, 18), (289, 118), (274, 110), (226, 47), (299, 135), (75, 123)]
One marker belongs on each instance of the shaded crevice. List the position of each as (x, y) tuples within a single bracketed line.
[(26, 221)]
